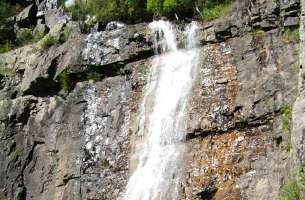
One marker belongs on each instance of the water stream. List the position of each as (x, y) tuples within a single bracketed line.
[(163, 116)]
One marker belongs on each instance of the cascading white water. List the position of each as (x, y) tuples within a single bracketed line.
[(163, 117)]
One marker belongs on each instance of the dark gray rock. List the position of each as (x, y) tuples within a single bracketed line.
[(77, 144), (27, 17), (222, 30), (40, 29), (291, 21), (53, 17), (114, 25)]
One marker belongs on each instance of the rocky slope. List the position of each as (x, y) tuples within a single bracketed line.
[(68, 111)]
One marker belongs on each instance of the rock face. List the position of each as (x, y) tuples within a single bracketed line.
[(68, 112)]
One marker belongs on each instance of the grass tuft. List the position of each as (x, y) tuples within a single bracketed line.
[(49, 41), (287, 123), (64, 81), (294, 189), (5, 71), (292, 34)]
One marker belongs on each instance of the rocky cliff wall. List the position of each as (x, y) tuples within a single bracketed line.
[(68, 112)]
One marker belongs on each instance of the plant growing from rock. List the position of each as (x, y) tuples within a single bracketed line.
[(64, 81), (49, 41), (94, 76), (292, 34), (294, 189), (24, 36), (65, 34), (287, 123), (5, 71)]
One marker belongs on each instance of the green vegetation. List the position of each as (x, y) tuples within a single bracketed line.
[(292, 34), (24, 36), (170, 7), (5, 47), (107, 10), (18, 152), (293, 190), (287, 114), (7, 9), (9, 38), (287, 123), (68, 80), (49, 41), (5, 71), (141, 10), (214, 9), (64, 81), (258, 31), (65, 34), (94, 76)]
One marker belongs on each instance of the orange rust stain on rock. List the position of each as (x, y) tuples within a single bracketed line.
[(232, 86), (219, 160)]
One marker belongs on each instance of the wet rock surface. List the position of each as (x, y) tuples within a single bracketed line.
[(76, 143)]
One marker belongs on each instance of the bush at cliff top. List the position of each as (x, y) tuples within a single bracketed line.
[(129, 10), (213, 9), (142, 10), (108, 10), (170, 7)]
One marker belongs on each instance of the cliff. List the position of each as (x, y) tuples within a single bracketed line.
[(69, 105)]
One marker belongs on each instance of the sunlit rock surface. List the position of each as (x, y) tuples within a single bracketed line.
[(76, 143)]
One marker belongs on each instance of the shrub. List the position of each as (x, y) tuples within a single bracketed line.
[(6, 10), (183, 7), (287, 115), (64, 81), (49, 41), (292, 34), (293, 190), (287, 123), (94, 76), (78, 10), (155, 6), (170, 7), (38, 36), (7, 46), (139, 10), (109, 10), (24, 36), (213, 9), (65, 34)]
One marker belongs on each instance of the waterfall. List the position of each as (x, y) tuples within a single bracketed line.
[(163, 116)]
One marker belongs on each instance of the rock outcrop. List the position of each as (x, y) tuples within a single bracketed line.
[(68, 111)]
